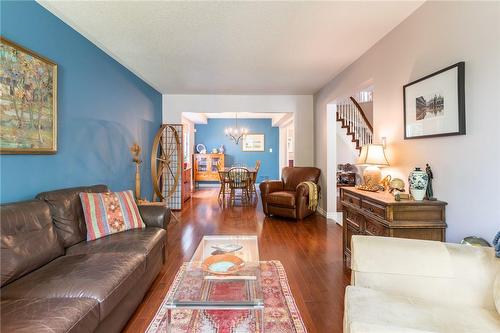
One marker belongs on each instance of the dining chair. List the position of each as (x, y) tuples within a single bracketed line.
[(253, 190), (223, 179), (239, 179)]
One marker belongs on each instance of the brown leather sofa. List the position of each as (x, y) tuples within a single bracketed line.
[(286, 197), (53, 280)]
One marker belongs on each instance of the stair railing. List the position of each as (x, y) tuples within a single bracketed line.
[(353, 118)]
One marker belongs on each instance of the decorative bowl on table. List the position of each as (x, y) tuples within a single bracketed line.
[(222, 264)]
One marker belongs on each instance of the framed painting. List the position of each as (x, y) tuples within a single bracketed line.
[(28, 101), (435, 105), (253, 142)]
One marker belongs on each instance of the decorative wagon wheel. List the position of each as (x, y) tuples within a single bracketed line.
[(166, 158)]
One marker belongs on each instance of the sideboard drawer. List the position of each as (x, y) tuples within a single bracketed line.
[(373, 208), (351, 199), (375, 228)]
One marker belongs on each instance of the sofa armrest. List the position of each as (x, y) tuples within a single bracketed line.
[(155, 215)]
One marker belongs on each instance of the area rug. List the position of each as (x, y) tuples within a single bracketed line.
[(280, 311)]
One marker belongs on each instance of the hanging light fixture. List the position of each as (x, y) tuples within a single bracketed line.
[(236, 133)]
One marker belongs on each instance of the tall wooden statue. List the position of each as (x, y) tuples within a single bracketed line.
[(135, 150)]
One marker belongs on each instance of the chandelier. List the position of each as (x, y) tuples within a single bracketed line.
[(236, 133)]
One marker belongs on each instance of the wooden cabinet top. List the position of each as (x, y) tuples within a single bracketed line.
[(209, 155), (387, 198)]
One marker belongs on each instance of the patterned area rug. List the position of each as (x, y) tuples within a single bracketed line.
[(280, 311)]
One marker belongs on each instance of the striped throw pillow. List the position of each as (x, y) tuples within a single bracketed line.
[(110, 212)]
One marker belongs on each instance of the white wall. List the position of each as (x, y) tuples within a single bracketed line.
[(300, 105), (437, 35), (189, 126)]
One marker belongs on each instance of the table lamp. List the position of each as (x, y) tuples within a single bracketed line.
[(372, 156)]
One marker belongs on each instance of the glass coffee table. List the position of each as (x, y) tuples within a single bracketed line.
[(212, 294)]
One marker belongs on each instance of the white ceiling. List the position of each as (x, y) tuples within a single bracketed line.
[(277, 119), (234, 47)]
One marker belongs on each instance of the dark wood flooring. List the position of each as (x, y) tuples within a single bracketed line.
[(310, 250)]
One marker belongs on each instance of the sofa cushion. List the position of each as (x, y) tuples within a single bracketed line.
[(496, 292), (66, 209), (110, 212), (105, 277), (282, 198), (371, 307), (144, 241), (50, 315), (28, 238)]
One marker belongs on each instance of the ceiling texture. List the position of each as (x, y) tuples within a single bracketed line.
[(233, 47)]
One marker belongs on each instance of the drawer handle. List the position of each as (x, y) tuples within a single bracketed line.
[(370, 209)]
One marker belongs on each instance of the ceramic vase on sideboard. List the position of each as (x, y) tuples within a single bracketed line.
[(417, 181)]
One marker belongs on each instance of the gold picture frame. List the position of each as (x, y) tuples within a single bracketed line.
[(28, 101), (253, 143)]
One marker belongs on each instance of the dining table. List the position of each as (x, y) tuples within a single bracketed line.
[(224, 174)]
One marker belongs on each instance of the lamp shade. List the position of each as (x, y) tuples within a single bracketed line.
[(372, 154)]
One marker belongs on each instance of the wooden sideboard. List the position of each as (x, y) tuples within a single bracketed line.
[(378, 214)]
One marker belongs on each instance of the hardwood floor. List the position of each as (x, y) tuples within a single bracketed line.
[(310, 250)]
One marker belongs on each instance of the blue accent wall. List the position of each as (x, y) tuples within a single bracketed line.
[(103, 108), (212, 136)]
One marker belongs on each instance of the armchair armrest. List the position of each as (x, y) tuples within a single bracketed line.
[(267, 187), (303, 190), (155, 215), (270, 186)]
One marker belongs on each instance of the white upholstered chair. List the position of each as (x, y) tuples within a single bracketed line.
[(409, 286)]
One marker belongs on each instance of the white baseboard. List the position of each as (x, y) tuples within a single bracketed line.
[(321, 211), (333, 216)]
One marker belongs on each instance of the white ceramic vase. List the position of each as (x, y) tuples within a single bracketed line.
[(417, 181)]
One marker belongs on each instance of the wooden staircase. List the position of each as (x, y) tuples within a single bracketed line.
[(352, 117)]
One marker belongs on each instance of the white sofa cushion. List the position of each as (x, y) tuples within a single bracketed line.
[(368, 310), (496, 292)]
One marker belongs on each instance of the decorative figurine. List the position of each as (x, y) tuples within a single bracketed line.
[(385, 182), (221, 149), (397, 185), (429, 192), (346, 167), (397, 195), (135, 150)]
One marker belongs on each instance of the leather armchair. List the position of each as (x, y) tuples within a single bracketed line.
[(286, 197)]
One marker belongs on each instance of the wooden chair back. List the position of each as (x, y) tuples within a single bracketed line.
[(239, 177), (257, 167)]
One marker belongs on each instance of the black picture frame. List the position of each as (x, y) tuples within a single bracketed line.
[(460, 103)]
